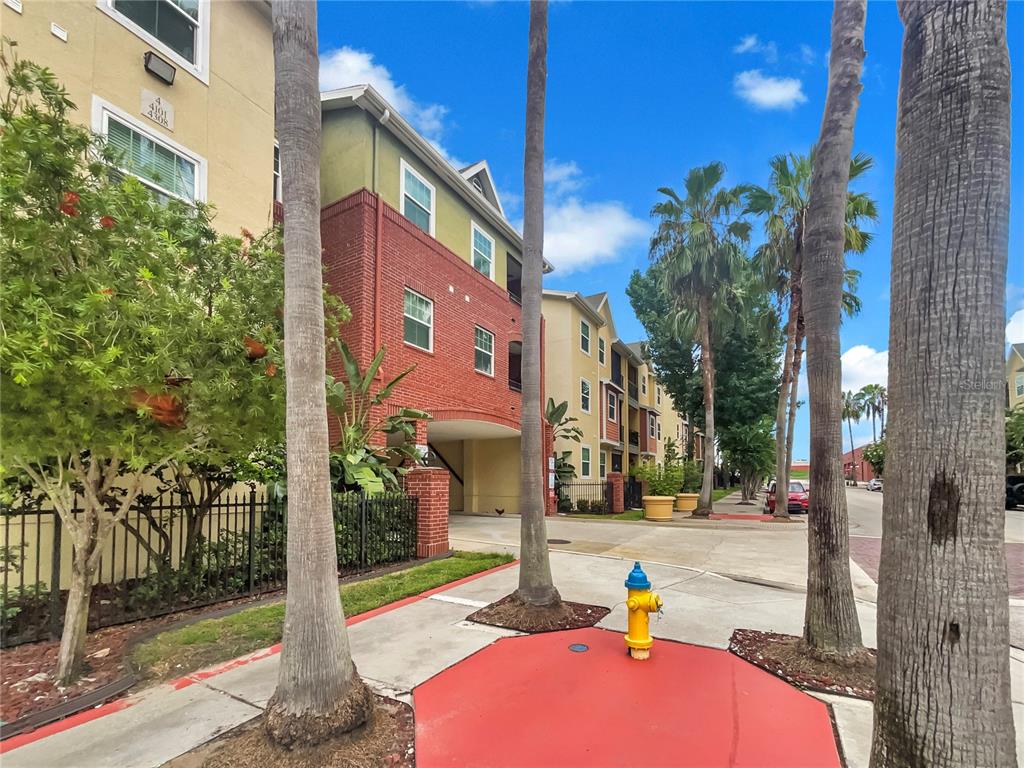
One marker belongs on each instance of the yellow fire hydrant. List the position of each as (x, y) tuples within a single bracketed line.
[(640, 602)]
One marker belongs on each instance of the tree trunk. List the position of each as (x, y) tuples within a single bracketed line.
[(943, 688), (536, 587), (71, 655), (781, 421), (853, 458), (831, 627), (318, 692), (707, 371), (793, 394), (797, 300)]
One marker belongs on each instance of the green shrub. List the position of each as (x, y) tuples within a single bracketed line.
[(661, 480), (583, 506)]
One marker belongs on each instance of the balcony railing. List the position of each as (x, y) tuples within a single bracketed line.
[(634, 438), (632, 390), (515, 385)]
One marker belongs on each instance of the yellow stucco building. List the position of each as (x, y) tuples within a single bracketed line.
[(1015, 376), (183, 88)]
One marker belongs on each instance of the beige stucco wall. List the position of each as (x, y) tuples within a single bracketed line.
[(453, 453), (228, 122), (348, 164), (492, 475)]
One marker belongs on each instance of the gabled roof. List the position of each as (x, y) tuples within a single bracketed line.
[(579, 301), (368, 99), (480, 173), (1019, 349)]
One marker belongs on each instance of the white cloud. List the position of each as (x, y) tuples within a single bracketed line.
[(753, 44), (579, 235), (808, 54), (1015, 328), (562, 178), (864, 365), (346, 66), (767, 92)]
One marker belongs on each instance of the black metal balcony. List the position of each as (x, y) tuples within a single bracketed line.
[(633, 390), (634, 438), (515, 385)]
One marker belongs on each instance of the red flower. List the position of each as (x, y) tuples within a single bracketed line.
[(271, 370), (71, 198), (68, 210), (107, 291), (107, 222)]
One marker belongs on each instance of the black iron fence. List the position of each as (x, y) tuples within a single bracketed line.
[(583, 497), (169, 554), (632, 493)]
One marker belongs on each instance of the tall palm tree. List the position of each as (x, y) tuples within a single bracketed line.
[(943, 681), (831, 627), (852, 410), (318, 691), (536, 587), (873, 399), (784, 206), (700, 241)]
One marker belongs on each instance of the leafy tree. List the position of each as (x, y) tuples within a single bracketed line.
[(123, 346), (751, 450), (831, 626), (356, 462), (563, 426), (319, 692), (536, 588), (784, 204), (700, 243), (1014, 439), (943, 686), (874, 454)]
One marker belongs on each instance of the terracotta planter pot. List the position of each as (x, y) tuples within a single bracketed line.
[(658, 507), (686, 502)]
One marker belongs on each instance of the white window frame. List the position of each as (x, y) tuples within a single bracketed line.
[(590, 395), (659, 433), (431, 326), (201, 69), (405, 167), (601, 356), (602, 464), (643, 385), (1018, 384), (589, 461), (473, 229), (657, 394), (278, 186), (102, 110), (612, 410), (475, 348), (585, 324), (652, 422)]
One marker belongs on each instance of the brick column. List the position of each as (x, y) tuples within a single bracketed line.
[(548, 451), (430, 486), (617, 482)]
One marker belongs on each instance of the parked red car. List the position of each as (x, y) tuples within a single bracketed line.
[(798, 498)]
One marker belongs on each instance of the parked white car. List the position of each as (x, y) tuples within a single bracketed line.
[(875, 484)]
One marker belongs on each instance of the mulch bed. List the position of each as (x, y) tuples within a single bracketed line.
[(786, 657), (509, 613), (388, 740)]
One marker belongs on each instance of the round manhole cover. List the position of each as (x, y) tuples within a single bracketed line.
[(579, 647), (559, 541)]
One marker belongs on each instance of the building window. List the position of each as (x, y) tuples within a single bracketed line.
[(176, 26), (419, 321), (584, 461), (657, 394), (483, 251), (585, 395), (417, 199), (1019, 384), (483, 351), (585, 336), (643, 385), (165, 169), (277, 173), (602, 464), (652, 422), (600, 350), (659, 431), (612, 403)]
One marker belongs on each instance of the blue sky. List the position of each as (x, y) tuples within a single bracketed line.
[(638, 93)]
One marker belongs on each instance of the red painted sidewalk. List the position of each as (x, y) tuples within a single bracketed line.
[(531, 701)]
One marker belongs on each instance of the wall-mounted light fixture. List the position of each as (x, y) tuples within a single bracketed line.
[(158, 68)]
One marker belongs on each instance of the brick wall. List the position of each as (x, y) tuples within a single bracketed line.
[(612, 430), (430, 486), (444, 381), (617, 482)]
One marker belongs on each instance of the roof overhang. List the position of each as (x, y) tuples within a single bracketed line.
[(577, 300)]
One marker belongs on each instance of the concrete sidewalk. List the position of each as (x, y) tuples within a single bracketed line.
[(401, 648)]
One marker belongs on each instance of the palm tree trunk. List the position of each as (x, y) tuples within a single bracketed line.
[(831, 628), (781, 421), (853, 458), (793, 393), (796, 279), (707, 369), (535, 584), (318, 692), (943, 687)]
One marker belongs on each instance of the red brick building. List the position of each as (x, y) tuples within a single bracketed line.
[(856, 467)]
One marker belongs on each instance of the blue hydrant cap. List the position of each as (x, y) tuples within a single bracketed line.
[(637, 578)]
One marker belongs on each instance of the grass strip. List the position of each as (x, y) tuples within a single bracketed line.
[(180, 651)]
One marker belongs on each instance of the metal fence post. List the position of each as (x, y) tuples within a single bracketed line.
[(363, 525), (252, 540), (55, 576)]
